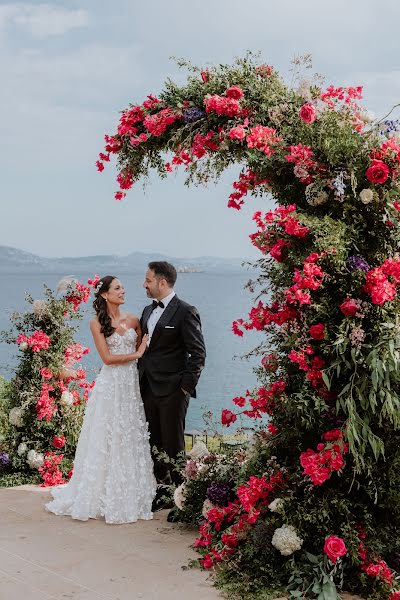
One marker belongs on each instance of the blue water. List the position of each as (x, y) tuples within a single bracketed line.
[(220, 299)]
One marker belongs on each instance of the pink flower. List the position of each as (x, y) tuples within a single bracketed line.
[(307, 113), (317, 332), (350, 307), (334, 548), (46, 373), (377, 172), (156, 124), (227, 417), (205, 75), (235, 92), (59, 442), (237, 133), (99, 165)]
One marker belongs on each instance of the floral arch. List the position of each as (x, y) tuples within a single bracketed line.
[(317, 500)]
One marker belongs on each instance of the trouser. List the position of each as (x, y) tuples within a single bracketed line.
[(166, 418)]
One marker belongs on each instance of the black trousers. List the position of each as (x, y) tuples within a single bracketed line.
[(166, 417)]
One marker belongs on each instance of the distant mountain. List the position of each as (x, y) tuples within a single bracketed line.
[(14, 260)]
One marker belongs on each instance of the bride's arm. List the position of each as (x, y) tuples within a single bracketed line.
[(105, 354), (134, 322)]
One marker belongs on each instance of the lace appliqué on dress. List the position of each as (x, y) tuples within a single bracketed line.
[(113, 469)]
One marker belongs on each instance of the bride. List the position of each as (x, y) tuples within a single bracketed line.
[(113, 470)]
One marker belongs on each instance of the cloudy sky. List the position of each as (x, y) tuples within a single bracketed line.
[(68, 67)]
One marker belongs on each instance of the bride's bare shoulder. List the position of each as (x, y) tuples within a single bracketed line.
[(94, 324), (132, 320)]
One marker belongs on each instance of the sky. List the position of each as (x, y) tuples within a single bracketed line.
[(68, 67)]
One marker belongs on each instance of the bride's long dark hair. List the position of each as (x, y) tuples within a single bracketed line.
[(100, 305)]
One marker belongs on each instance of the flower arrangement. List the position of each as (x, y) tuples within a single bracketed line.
[(328, 305), (46, 398)]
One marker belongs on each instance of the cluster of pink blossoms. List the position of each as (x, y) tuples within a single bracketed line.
[(74, 353), (304, 165), (320, 465), (261, 316), (262, 401), (248, 180), (274, 224), (227, 105), (45, 405), (253, 498), (80, 294), (37, 341), (50, 470), (312, 366), (377, 282), (310, 278)]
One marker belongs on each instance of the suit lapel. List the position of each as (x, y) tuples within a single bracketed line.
[(165, 318), (146, 314)]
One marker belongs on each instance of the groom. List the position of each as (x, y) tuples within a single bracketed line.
[(170, 368)]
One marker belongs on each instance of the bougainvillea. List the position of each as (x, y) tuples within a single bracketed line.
[(328, 305)]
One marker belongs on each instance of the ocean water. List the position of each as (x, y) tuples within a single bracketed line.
[(220, 299)]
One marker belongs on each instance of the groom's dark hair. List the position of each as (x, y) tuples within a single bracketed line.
[(165, 270)]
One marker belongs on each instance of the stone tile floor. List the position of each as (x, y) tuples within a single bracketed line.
[(47, 557)]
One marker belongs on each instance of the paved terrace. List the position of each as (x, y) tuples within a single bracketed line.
[(46, 557)]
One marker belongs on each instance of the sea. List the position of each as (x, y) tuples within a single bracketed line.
[(220, 299)]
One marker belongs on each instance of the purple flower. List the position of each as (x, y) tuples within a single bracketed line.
[(358, 263), (4, 459), (219, 493), (191, 115)]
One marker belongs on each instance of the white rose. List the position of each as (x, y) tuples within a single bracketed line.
[(22, 448), (207, 505), (179, 496), (366, 196), (15, 416), (23, 346), (39, 307), (275, 505), (34, 459), (199, 450), (67, 399), (286, 540)]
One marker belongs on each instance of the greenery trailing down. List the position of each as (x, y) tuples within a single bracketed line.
[(41, 408), (313, 503)]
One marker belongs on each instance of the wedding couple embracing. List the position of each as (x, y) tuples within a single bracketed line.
[(151, 368)]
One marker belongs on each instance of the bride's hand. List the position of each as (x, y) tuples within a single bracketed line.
[(143, 345)]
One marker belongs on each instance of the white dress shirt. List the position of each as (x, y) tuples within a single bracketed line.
[(156, 314)]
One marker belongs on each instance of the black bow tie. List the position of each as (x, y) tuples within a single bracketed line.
[(157, 303)]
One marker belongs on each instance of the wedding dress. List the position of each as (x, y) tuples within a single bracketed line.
[(113, 469)]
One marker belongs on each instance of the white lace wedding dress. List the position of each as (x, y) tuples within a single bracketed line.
[(113, 469)]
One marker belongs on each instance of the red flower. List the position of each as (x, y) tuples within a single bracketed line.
[(272, 429), (205, 75), (46, 373), (59, 442), (307, 113), (227, 417), (334, 548), (377, 172), (333, 435), (235, 92), (394, 596), (350, 307), (317, 332), (237, 133)]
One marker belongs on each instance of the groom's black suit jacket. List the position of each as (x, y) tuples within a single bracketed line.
[(176, 354)]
